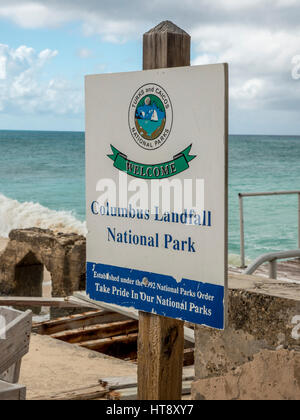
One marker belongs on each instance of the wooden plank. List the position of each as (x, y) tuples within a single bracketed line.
[(104, 344), (188, 357), (126, 394), (82, 394), (107, 385), (122, 382), (39, 301), (13, 373), (128, 312), (119, 382), (97, 332), (67, 322), (161, 340), (12, 392), (9, 314), (123, 394), (16, 343), (189, 334), (9, 375), (77, 321)]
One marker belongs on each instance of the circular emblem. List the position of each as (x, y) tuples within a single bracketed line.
[(150, 116)]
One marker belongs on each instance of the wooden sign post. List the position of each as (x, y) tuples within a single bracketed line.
[(160, 132), (161, 340)]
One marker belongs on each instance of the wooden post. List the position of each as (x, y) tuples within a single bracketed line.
[(166, 45), (161, 340)]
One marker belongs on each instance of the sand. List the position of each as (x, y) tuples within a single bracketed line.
[(52, 366)]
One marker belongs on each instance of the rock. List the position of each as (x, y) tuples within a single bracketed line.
[(257, 320), (271, 375), (30, 250)]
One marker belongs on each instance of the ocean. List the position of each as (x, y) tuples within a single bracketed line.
[(42, 183)]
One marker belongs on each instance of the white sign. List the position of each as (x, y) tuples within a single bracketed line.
[(156, 188)]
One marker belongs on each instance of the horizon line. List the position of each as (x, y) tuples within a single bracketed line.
[(83, 131)]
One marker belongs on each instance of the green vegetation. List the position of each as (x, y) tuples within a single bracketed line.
[(154, 99)]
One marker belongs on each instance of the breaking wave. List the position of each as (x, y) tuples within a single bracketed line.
[(16, 215), (234, 260)]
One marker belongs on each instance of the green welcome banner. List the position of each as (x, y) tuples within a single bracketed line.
[(178, 164)]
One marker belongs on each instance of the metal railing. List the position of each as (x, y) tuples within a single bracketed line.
[(242, 233), (272, 258)]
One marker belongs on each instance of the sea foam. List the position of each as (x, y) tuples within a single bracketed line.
[(16, 215), (234, 260)]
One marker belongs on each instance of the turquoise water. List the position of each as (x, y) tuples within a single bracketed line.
[(48, 168), (149, 126), (44, 167), (260, 164)]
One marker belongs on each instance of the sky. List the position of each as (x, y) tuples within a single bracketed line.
[(48, 46)]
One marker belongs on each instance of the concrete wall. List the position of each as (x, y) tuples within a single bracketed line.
[(263, 329)]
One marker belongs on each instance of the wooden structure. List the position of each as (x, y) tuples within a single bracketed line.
[(103, 331), (12, 392), (13, 346), (125, 388), (52, 302), (161, 340), (113, 388)]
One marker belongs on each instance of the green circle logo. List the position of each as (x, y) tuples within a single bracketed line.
[(150, 116)]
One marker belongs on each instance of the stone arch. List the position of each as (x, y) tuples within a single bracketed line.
[(28, 250), (29, 275)]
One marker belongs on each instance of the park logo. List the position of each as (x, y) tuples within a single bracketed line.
[(150, 116), (150, 120)]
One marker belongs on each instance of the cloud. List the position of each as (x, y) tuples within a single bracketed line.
[(260, 62), (84, 53), (94, 16), (2, 67), (23, 87), (258, 38), (125, 18), (31, 14)]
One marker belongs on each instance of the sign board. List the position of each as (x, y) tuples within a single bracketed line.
[(156, 186)]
